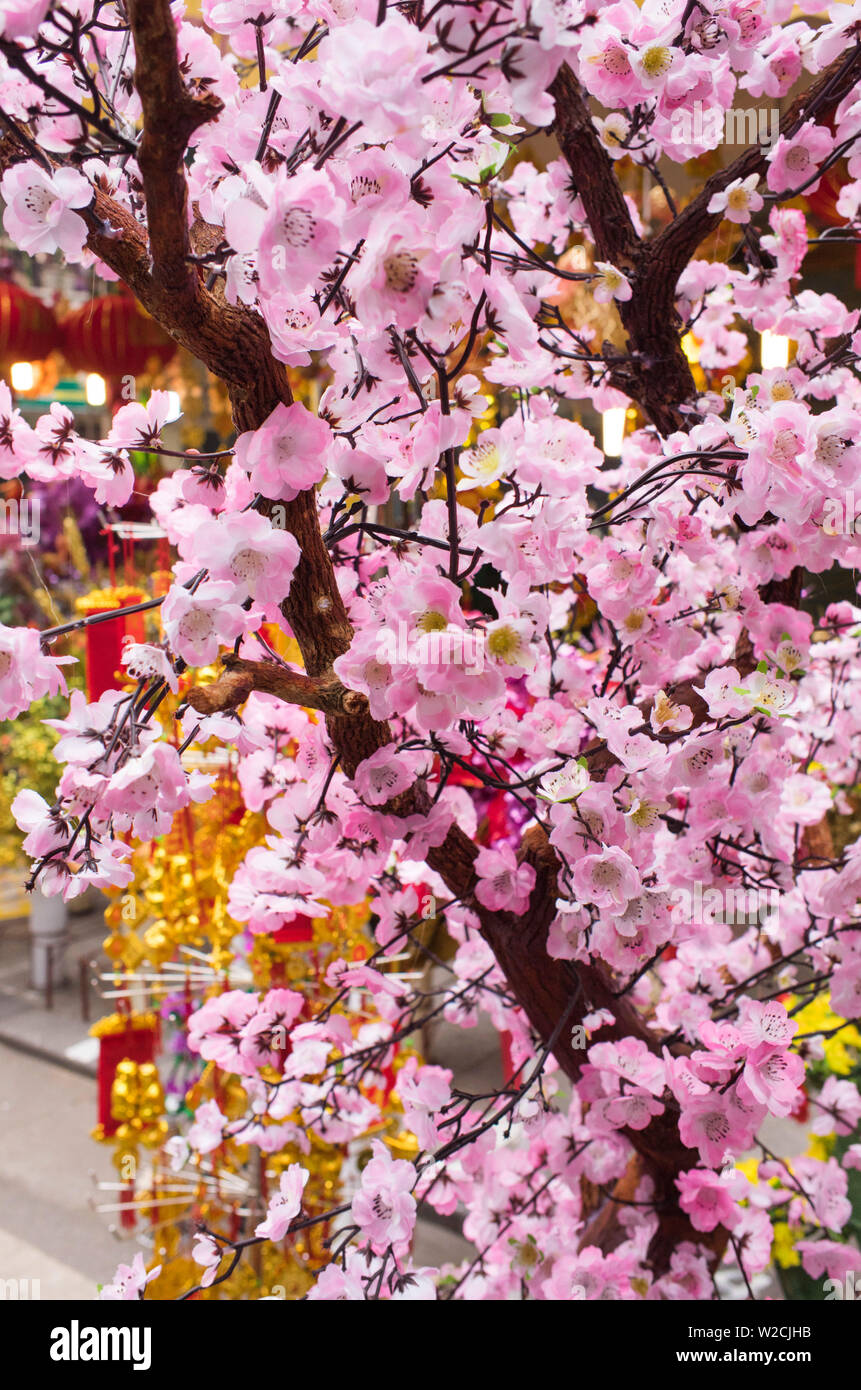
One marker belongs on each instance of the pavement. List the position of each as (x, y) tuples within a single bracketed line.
[(49, 1167), (54, 1027)]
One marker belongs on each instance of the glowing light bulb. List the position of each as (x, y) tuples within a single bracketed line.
[(613, 430), (95, 389), (773, 350), (22, 376), (691, 348)]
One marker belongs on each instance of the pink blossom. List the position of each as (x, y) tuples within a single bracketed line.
[(612, 284), (263, 1039), (45, 830), (631, 1060), (773, 1077), (285, 1205), (197, 624), (608, 879), (287, 454), (207, 1132), (335, 1284), (135, 424), (793, 162), (40, 213), (26, 674), (207, 1253), (502, 882), (738, 200), (16, 444), (214, 1030), (846, 988), (708, 1124), (769, 1023), (129, 1281), (387, 773), (424, 1091), (709, 1199), (754, 1234), (840, 1104), (248, 551), (831, 1257), (145, 662), (385, 1208)]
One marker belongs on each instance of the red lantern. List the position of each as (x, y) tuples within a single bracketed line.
[(822, 201), (105, 640), (28, 329), (122, 1037), (113, 336)]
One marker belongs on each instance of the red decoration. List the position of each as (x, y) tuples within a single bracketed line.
[(822, 201), (823, 204), (28, 329), (137, 1043), (299, 928), (105, 640), (507, 1059), (113, 336)]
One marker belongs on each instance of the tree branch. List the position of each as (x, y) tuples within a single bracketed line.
[(171, 114), (295, 688), (593, 175), (676, 244), (656, 373)]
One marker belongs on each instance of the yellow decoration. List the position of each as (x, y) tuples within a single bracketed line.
[(171, 927), (122, 1023), (841, 1050), (783, 1249), (118, 596)]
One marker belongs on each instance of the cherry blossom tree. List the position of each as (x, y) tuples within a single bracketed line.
[(566, 697)]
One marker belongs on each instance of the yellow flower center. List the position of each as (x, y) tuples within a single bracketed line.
[(484, 460), (504, 644), (664, 708), (656, 60), (432, 621), (527, 1255)]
